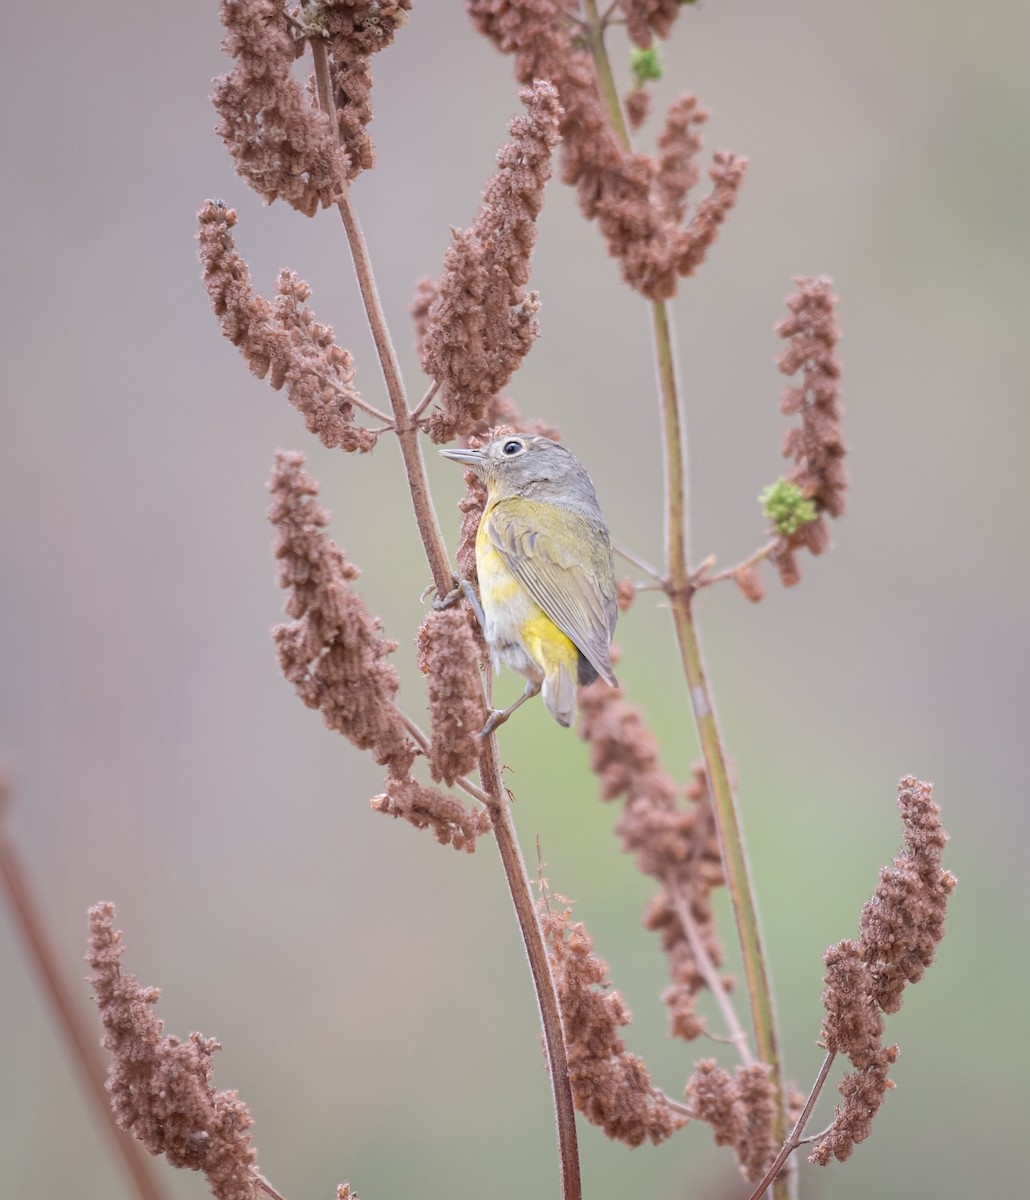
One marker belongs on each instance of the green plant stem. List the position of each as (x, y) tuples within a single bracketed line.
[(680, 591), (731, 838), (489, 765)]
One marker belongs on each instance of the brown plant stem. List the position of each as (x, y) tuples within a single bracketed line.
[(267, 1188), (680, 590), (489, 765), (82, 1042), (794, 1140)]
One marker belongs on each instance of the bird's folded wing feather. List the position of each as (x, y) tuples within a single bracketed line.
[(567, 571)]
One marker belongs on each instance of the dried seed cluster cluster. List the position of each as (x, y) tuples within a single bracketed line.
[(740, 1109), (354, 31), (453, 823), (161, 1087), (610, 1086), (280, 141), (281, 339), (900, 928), (639, 202), (673, 843), (678, 846), (816, 445), (648, 19), (477, 322), (334, 654), (447, 655), (332, 651)]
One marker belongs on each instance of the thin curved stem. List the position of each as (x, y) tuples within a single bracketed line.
[(422, 741), (710, 973), (794, 1138), (641, 563), (677, 1106), (427, 399), (267, 1188), (703, 579), (489, 765)]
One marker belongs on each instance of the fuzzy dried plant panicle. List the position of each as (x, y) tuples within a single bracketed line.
[(610, 1086), (452, 822), (160, 1087), (648, 19), (332, 650), (280, 143), (355, 30), (628, 194), (334, 654), (448, 656), (480, 321), (683, 914), (816, 445), (900, 929), (739, 1108), (281, 339), (903, 923), (675, 844)]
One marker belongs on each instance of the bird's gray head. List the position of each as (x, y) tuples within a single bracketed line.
[(524, 464)]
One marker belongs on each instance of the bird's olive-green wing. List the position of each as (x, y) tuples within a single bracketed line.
[(564, 560)]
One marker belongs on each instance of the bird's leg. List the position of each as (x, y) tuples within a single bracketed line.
[(500, 715), (473, 599)]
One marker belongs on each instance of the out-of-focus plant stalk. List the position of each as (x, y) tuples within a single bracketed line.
[(680, 590)]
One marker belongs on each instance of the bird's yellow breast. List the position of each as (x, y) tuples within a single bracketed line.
[(518, 631)]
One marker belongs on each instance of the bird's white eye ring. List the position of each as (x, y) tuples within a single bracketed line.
[(512, 447)]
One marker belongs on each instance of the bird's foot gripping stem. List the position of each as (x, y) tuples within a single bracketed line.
[(462, 587), (500, 715)]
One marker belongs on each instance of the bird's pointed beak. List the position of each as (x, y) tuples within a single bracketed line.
[(471, 458)]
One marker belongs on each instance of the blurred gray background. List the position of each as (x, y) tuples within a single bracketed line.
[(367, 984)]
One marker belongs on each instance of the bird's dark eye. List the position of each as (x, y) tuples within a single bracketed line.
[(512, 447)]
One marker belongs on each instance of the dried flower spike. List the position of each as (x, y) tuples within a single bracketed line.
[(677, 846), (332, 651), (282, 340), (901, 926), (281, 144), (452, 822), (817, 447), (903, 923), (160, 1087), (630, 195), (481, 321), (354, 31), (610, 1086), (740, 1111), (448, 655)]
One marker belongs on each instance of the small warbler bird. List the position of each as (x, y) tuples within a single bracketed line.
[(546, 576)]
